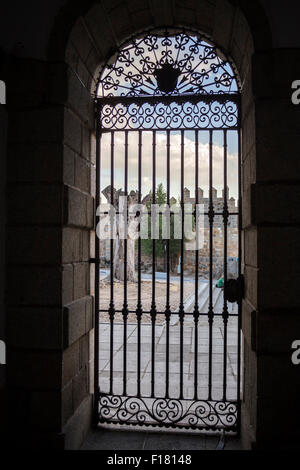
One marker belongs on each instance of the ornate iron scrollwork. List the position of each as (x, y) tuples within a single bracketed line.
[(169, 62), (188, 114), (162, 412)]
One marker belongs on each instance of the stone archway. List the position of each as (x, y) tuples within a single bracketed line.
[(83, 37), (97, 32)]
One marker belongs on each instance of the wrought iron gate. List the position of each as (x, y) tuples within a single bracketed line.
[(169, 100)]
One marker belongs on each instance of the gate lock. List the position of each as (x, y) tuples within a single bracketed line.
[(234, 290)]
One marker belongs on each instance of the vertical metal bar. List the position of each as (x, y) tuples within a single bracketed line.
[(168, 308), (225, 241), (196, 310), (181, 306), (112, 305), (125, 306), (97, 266), (153, 225), (139, 311), (240, 273), (211, 214)]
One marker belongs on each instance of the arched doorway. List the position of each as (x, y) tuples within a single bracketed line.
[(168, 135)]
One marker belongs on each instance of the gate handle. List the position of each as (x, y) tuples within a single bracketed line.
[(234, 290)]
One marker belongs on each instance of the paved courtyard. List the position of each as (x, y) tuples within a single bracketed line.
[(174, 361)]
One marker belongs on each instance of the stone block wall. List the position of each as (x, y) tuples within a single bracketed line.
[(3, 134), (49, 219), (271, 246), (50, 206)]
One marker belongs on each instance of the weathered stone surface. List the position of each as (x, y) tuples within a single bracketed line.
[(72, 131), (82, 174), (77, 320), (249, 132), (71, 245), (79, 97), (86, 142), (81, 39), (67, 284), (251, 279), (250, 385), (75, 207), (81, 282), (69, 166), (80, 386), (90, 212), (249, 325), (250, 247), (249, 170), (70, 363), (84, 350), (67, 402), (89, 314), (246, 209), (78, 425)]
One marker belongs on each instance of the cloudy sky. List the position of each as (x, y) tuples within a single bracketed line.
[(161, 161)]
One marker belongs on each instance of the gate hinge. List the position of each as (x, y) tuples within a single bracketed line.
[(234, 290), (92, 260)]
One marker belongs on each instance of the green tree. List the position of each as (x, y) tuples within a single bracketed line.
[(161, 244)]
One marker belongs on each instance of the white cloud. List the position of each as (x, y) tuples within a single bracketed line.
[(161, 163)]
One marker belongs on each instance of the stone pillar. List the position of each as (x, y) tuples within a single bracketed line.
[(271, 321), (50, 215), (3, 131)]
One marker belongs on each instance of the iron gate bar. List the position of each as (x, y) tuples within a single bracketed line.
[(139, 311), (240, 224), (97, 264), (125, 307), (153, 231), (225, 241), (211, 215), (112, 306), (181, 307), (196, 309), (191, 314), (169, 99), (168, 308)]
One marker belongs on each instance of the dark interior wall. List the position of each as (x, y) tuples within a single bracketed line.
[(3, 128), (25, 27)]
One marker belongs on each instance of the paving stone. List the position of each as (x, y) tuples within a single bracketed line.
[(174, 359)]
